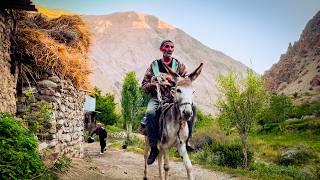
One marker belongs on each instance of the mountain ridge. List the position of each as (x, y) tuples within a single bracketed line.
[(297, 72)]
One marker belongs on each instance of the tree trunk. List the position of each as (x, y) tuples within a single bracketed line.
[(244, 151), (129, 130)]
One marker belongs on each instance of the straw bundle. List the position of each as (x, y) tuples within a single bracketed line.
[(60, 45)]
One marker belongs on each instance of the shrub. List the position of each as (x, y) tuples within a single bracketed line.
[(278, 110), (207, 135), (223, 155), (62, 164), (306, 109), (38, 116), (18, 148)]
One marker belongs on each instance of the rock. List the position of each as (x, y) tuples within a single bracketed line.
[(42, 146), (54, 79), (47, 83), (66, 137), (295, 156), (315, 81), (53, 143)]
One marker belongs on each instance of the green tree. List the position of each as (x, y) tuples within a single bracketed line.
[(278, 109), (106, 106), (241, 104), (131, 100)]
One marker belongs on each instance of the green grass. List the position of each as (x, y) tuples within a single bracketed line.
[(261, 172), (268, 145)]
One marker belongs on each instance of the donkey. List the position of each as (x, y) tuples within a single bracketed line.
[(173, 123)]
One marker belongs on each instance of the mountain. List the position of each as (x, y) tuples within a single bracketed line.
[(298, 70), (129, 41)]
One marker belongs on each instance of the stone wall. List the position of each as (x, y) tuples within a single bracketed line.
[(66, 129), (7, 82)]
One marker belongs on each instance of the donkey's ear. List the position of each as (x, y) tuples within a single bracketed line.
[(170, 71), (195, 73)]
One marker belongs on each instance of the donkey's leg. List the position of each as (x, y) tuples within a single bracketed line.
[(166, 164), (146, 151), (187, 163), (160, 155)]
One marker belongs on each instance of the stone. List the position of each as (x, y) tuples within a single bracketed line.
[(49, 137), (57, 94), (47, 83), (66, 137), (42, 146), (63, 108), (54, 79), (52, 143), (295, 156), (61, 122), (53, 128), (47, 98)]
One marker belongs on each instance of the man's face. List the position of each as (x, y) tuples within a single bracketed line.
[(167, 49)]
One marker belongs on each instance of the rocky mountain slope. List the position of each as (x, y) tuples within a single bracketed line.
[(298, 70), (129, 41)]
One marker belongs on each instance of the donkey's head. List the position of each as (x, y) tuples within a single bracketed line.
[(183, 91)]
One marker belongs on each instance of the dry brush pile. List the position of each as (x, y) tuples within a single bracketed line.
[(59, 46)]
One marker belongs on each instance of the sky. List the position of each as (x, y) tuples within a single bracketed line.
[(254, 32)]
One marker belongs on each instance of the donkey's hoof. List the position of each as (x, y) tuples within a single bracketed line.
[(144, 178)]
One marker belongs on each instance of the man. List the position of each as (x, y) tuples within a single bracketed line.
[(102, 133), (157, 72)]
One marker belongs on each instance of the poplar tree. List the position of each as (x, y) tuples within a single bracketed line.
[(241, 103), (130, 101)]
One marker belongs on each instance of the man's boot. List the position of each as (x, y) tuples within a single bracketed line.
[(152, 127), (153, 155), (188, 147)]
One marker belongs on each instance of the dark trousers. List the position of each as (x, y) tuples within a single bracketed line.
[(153, 123), (102, 144)]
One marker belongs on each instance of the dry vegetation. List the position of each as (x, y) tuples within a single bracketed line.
[(58, 45)]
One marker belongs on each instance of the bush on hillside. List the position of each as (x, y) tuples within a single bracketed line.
[(229, 155), (207, 135), (306, 110), (278, 109), (18, 151)]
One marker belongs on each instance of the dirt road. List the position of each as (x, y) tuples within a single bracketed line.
[(118, 164)]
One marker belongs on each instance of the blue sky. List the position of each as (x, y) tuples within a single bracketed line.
[(255, 32)]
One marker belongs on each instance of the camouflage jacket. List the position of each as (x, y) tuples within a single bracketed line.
[(149, 75)]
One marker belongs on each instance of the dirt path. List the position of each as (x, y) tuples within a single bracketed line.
[(118, 164)]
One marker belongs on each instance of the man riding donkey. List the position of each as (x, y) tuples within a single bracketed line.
[(157, 74)]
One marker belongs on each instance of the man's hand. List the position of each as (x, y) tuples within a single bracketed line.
[(167, 80), (153, 82)]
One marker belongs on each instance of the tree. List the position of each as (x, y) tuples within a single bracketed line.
[(241, 105), (106, 106), (131, 100), (278, 109)]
